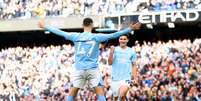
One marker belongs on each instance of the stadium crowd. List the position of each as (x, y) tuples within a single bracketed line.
[(167, 71), (42, 8)]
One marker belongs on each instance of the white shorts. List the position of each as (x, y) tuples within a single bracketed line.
[(91, 77), (115, 86)]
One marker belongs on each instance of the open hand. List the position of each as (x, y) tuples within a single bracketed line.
[(41, 24)]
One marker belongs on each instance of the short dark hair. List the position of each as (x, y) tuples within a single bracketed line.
[(87, 22), (126, 35)]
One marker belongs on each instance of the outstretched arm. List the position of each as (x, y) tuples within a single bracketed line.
[(69, 36), (104, 37)]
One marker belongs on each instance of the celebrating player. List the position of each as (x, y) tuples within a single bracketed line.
[(122, 60), (86, 55)]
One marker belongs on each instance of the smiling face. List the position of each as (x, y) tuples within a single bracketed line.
[(123, 40)]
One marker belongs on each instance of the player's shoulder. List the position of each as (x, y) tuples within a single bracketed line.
[(117, 47), (131, 50), (77, 34)]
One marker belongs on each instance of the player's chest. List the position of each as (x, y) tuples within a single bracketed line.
[(123, 55)]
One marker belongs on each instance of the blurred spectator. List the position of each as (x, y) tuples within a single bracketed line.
[(43, 8)]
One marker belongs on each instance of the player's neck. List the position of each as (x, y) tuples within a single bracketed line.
[(123, 47), (87, 29)]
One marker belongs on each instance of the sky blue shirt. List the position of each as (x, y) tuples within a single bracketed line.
[(86, 45), (122, 63)]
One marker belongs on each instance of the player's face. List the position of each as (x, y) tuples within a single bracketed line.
[(123, 40)]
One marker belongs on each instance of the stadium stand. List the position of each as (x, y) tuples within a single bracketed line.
[(41, 8)]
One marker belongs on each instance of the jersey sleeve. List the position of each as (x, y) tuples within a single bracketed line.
[(105, 37), (133, 56), (66, 35)]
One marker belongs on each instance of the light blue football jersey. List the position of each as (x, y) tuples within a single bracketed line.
[(86, 45), (122, 63)]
